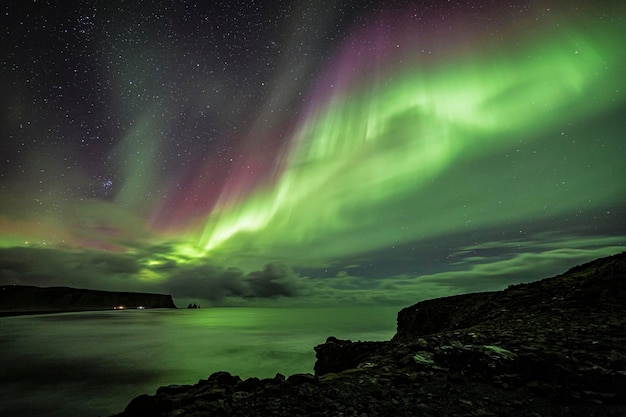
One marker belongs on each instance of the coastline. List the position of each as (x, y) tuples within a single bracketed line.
[(18, 300), (548, 348)]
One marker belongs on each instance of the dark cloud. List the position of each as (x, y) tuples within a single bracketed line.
[(206, 282), (274, 280), (214, 283), (485, 266), (147, 270), (496, 273), (84, 269)]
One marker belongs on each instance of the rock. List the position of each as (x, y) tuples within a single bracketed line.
[(424, 358), (22, 299), (143, 406), (298, 379), (224, 378), (497, 353), (338, 355), (249, 385)]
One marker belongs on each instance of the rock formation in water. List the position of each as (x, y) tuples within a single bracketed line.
[(551, 348), (21, 299)]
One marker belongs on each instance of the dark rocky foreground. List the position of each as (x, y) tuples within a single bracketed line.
[(23, 299), (550, 348)]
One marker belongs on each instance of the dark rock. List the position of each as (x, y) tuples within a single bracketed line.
[(143, 406), (172, 389), (224, 378), (249, 384), (22, 299), (298, 379), (546, 349), (338, 355)]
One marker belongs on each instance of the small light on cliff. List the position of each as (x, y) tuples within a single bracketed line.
[(119, 308)]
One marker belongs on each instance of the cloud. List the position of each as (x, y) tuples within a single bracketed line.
[(198, 279), (274, 280), (512, 269), (215, 283), (490, 265), (539, 242), (206, 282), (58, 267)]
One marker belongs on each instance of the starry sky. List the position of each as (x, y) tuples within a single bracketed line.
[(257, 152)]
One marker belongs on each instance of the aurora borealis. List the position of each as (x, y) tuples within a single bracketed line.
[(376, 152)]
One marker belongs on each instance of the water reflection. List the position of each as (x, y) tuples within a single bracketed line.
[(92, 364)]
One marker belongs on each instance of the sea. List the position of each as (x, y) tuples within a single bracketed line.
[(91, 364)]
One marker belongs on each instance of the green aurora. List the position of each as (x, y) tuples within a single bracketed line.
[(434, 151), (391, 161)]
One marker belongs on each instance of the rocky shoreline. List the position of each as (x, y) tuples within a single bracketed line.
[(551, 348)]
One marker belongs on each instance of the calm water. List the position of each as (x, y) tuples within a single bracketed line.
[(93, 364)]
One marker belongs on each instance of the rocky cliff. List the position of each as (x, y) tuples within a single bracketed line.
[(550, 348), (20, 299)]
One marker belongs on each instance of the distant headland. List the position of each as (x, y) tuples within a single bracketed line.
[(25, 299)]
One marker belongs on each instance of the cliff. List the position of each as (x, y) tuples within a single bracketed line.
[(551, 348), (20, 299)]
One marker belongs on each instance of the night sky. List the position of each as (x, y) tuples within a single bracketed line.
[(271, 152)]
